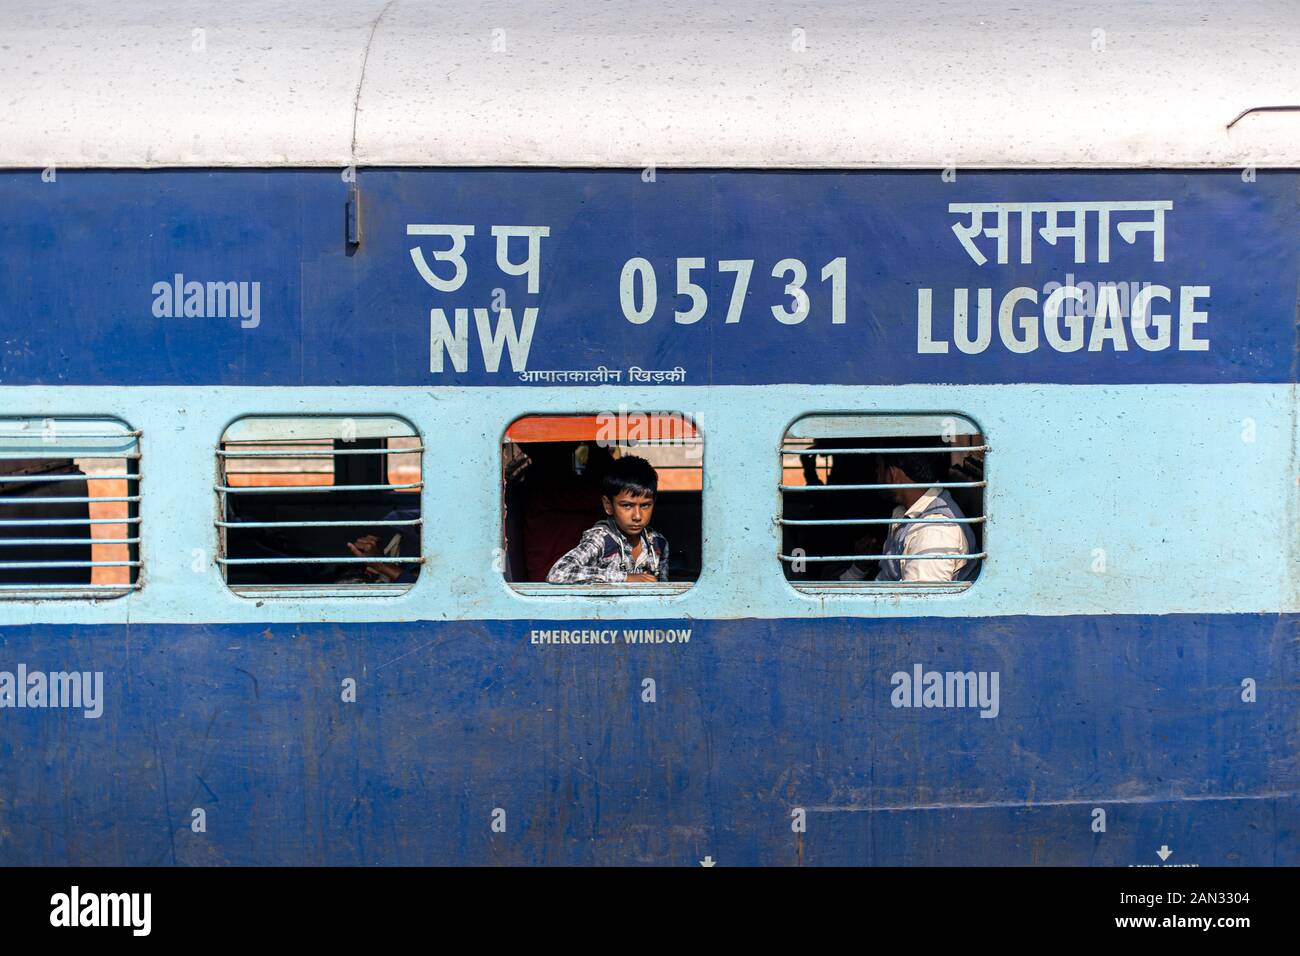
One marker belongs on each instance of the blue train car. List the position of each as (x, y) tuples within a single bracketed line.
[(320, 329)]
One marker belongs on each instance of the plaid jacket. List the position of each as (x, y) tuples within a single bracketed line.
[(604, 556)]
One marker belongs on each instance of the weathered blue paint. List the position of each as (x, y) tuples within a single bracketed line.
[(1139, 716), (83, 253)]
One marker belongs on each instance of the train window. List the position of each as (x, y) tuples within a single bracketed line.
[(601, 504), (69, 507), (319, 504), (892, 502)]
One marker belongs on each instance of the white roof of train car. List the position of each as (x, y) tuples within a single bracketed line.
[(841, 83)]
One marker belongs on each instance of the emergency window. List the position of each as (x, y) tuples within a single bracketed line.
[(554, 471), (882, 501), (327, 504), (69, 507)]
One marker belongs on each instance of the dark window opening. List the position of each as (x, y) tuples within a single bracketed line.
[(69, 507), (553, 470), (887, 500), (320, 502)]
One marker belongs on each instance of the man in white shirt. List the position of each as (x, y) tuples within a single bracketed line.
[(920, 527)]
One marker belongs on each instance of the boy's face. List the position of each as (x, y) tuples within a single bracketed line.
[(630, 512)]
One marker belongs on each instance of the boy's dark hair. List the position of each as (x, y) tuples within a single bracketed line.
[(630, 474), (922, 467)]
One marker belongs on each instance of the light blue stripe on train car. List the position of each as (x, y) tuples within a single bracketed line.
[(1188, 492)]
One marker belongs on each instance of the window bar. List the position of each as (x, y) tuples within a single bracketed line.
[(53, 522), (27, 565), (60, 436), (945, 449), (323, 453), (363, 522), (377, 559), (79, 451), (29, 479), (308, 489), (71, 501), (68, 590), (883, 557), (885, 485), (38, 542), (818, 522)]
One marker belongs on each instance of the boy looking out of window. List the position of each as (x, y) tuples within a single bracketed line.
[(622, 547)]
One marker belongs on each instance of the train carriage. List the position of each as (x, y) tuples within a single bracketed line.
[(322, 323)]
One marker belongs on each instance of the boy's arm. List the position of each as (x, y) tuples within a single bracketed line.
[(663, 563), (581, 565)]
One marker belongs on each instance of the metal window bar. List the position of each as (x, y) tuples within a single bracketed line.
[(359, 523), (27, 565), (45, 441), (313, 489), (243, 465), (62, 436), (324, 453), (55, 522), (66, 590), (380, 559), (946, 449), (320, 453), (884, 485), (883, 557), (820, 522), (232, 472), (50, 542), (830, 522), (29, 479), (80, 451), (78, 500)]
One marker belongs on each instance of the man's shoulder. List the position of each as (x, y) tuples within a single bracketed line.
[(934, 533), (945, 500), (939, 509)]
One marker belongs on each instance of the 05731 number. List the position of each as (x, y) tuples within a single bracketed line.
[(638, 290)]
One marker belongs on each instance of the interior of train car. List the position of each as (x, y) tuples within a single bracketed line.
[(55, 493), (69, 506), (320, 501), (552, 468), (838, 504)]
